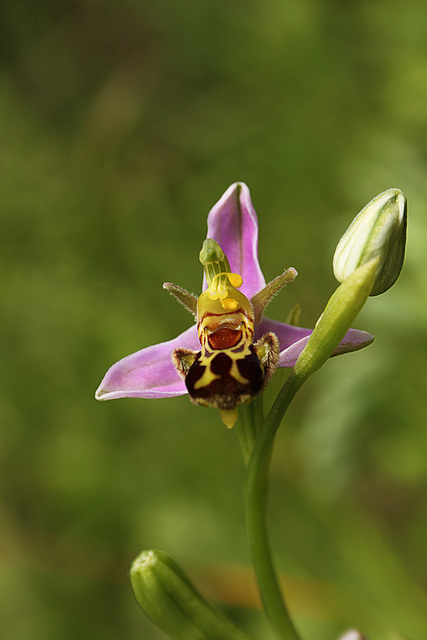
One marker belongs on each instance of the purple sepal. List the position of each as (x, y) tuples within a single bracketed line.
[(233, 224), (293, 340), (148, 373)]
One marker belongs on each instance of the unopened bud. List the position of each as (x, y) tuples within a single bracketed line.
[(170, 600), (378, 231)]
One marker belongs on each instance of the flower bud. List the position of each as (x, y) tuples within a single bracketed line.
[(378, 231), (172, 603)]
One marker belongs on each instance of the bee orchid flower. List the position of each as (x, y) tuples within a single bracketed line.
[(228, 354)]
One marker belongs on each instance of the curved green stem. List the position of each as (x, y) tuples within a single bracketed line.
[(256, 512)]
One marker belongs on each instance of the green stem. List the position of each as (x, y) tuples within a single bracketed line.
[(256, 514), (250, 420)]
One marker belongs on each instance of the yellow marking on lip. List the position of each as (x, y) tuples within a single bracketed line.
[(206, 378), (234, 371)]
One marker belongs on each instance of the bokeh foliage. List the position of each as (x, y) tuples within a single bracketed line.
[(122, 124)]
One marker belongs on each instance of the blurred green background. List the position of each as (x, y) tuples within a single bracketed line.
[(122, 123)]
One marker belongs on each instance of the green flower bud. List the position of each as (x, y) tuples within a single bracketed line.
[(170, 600), (378, 231)]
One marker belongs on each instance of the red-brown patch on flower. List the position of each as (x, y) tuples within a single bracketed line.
[(224, 338)]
